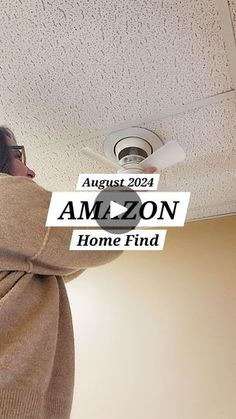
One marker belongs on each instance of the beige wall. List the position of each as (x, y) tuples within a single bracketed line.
[(155, 331)]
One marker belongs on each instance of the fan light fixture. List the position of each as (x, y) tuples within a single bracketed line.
[(133, 149)]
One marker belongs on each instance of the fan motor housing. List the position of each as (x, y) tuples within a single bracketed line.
[(131, 146), (132, 150)]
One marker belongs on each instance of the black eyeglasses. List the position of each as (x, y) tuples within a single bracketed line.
[(22, 148)]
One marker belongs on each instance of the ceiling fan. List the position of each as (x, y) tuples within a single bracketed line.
[(133, 149)]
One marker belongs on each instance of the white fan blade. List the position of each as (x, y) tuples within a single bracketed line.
[(166, 156), (89, 152)]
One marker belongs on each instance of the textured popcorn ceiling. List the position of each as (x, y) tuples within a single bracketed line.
[(73, 71), (232, 5)]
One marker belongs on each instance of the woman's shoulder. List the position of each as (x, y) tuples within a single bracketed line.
[(24, 181)]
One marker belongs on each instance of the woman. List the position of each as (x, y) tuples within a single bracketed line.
[(11, 161), (36, 331)]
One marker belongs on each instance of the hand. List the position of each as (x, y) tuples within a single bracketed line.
[(150, 169)]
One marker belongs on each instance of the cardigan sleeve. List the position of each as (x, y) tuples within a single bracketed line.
[(23, 212)]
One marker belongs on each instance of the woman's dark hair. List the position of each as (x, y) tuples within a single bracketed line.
[(5, 152)]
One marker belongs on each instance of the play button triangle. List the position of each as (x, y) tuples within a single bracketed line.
[(115, 201), (116, 209)]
